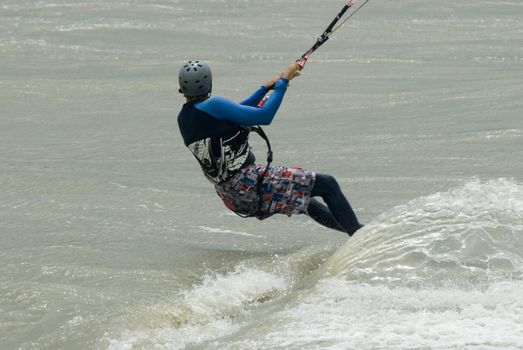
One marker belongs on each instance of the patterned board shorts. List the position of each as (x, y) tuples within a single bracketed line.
[(285, 190)]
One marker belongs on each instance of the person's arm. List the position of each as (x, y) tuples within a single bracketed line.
[(259, 94), (224, 109), (256, 97)]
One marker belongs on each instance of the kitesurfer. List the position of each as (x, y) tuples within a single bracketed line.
[(216, 130)]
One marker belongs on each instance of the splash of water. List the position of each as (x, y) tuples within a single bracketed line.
[(212, 308), (468, 235)]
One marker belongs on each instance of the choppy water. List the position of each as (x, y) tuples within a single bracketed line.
[(110, 238)]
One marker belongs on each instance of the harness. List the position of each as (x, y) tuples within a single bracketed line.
[(228, 156), (258, 129), (221, 157)]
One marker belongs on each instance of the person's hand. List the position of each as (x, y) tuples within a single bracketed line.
[(270, 84), (292, 71)]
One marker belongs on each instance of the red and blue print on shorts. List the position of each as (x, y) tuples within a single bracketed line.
[(285, 190)]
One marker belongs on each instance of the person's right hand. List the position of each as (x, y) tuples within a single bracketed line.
[(292, 71)]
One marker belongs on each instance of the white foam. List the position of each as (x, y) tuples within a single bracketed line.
[(338, 314), (205, 312)]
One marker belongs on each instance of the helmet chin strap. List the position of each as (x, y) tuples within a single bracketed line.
[(208, 94)]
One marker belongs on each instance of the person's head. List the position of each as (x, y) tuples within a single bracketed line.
[(195, 79)]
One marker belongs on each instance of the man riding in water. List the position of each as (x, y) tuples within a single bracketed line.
[(216, 130)]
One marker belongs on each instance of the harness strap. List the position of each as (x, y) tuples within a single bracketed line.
[(258, 129)]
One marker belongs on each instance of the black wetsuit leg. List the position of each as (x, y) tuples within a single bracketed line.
[(340, 210), (322, 215)]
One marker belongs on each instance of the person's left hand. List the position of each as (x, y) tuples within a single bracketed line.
[(271, 83)]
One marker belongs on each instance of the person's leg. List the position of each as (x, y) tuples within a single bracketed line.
[(322, 215), (327, 187)]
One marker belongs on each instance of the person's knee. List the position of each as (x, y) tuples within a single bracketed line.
[(325, 186), (329, 182)]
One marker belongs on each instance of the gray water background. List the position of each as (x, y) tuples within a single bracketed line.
[(103, 212)]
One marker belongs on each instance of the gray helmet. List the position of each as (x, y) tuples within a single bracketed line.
[(195, 78)]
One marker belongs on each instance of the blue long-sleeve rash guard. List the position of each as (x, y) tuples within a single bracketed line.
[(247, 112)]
